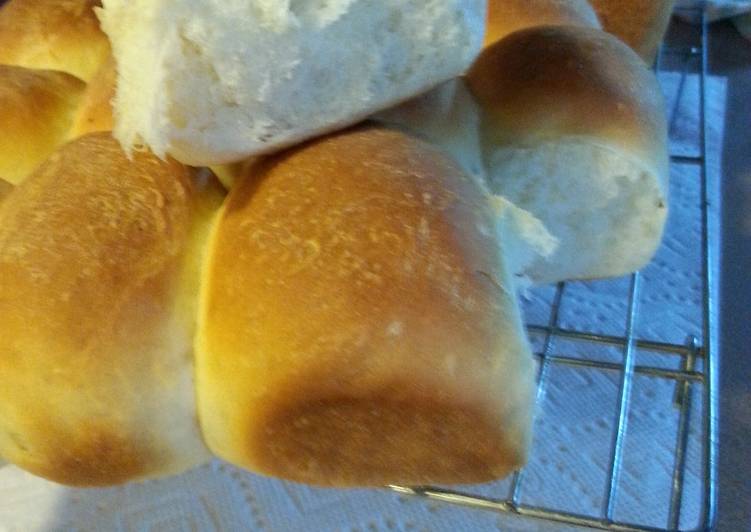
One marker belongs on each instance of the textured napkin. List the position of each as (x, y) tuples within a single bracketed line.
[(573, 429)]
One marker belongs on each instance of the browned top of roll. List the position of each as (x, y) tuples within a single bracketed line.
[(36, 110), (639, 23), (508, 16), (544, 83), (352, 329), (52, 34), (95, 112)]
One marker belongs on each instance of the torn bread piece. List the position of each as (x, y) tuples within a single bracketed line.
[(234, 79)]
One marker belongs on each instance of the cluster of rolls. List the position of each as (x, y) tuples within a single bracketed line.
[(205, 251)]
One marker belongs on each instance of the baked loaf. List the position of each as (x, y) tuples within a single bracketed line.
[(639, 23), (347, 315), (573, 131), (508, 16), (99, 262), (36, 110), (52, 34), (382, 342), (300, 69)]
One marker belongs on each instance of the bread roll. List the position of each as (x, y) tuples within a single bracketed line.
[(357, 325), (99, 261), (95, 111), (243, 78), (573, 131), (639, 23), (508, 16), (36, 110), (52, 34)]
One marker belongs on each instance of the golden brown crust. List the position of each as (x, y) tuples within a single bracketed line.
[(52, 34), (95, 112), (508, 16), (548, 82), (639, 23), (350, 316), (96, 376), (417, 443), (36, 110)]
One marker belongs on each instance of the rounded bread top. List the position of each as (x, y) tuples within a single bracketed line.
[(549, 82)]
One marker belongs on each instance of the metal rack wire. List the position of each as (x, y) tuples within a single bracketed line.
[(698, 369)]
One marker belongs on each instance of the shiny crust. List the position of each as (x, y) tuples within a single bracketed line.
[(357, 328), (36, 111), (508, 16), (639, 23), (95, 112), (52, 34), (95, 361), (544, 83)]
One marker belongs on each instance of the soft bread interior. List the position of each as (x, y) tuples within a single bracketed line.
[(300, 68), (526, 240), (606, 209)]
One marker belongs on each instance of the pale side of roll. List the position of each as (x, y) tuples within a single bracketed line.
[(508, 16), (238, 78), (382, 342), (52, 34), (36, 111), (526, 240), (573, 131), (99, 261), (639, 23)]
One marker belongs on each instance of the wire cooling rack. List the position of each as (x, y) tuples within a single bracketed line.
[(692, 371)]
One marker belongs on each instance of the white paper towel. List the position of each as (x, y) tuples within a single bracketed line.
[(573, 429)]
